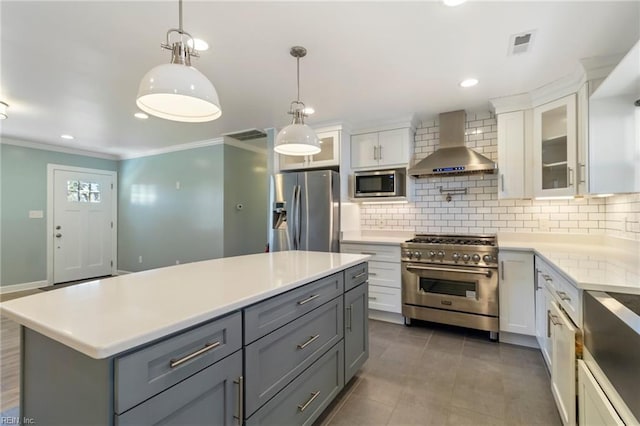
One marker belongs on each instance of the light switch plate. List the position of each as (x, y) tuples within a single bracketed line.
[(36, 214)]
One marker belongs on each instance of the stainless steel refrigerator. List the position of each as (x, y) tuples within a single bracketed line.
[(305, 213)]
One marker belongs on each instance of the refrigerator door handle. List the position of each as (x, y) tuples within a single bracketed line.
[(298, 217), (293, 227)]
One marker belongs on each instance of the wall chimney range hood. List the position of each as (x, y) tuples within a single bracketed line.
[(452, 156)]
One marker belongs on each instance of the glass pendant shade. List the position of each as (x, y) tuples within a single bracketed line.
[(297, 139), (178, 92)]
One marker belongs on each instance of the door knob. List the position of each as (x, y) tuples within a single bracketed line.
[(58, 235)]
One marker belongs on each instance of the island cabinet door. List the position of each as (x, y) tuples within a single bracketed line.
[(210, 397), (356, 330)]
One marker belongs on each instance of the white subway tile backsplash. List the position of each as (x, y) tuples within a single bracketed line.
[(481, 212)]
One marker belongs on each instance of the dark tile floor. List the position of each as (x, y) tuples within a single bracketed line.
[(437, 375)]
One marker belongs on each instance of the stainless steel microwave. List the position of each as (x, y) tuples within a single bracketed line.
[(379, 183)]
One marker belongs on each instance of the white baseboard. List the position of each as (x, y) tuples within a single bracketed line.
[(121, 272), (518, 339), (21, 287), (386, 316)]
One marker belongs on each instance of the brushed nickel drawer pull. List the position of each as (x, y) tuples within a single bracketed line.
[(373, 274), (350, 309), (304, 406), (373, 298), (547, 278), (308, 299), (359, 275), (563, 295), (207, 347), (240, 383), (308, 342), (555, 320), (370, 253)]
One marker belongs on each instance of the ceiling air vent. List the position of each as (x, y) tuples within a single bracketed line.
[(521, 43), (246, 135)]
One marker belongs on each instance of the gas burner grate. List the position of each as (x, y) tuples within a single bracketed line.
[(454, 240)]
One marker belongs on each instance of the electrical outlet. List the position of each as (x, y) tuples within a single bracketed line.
[(177, 262), (380, 222), (139, 259)]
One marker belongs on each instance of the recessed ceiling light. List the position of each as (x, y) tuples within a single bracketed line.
[(469, 82), (200, 45), (309, 110), (141, 115), (453, 3), (67, 137)]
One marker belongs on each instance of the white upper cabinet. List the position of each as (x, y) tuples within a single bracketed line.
[(514, 180), (388, 148), (329, 156), (555, 148)]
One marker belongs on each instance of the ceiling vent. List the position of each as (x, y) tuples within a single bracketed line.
[(521, 43), (247, 135)]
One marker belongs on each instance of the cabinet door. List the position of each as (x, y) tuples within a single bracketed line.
[(563, 364), (543, 330), (209, 397), (517, 298), (511, 161), (593, 404), (364, 150), (393, 147), (356, 330), (330, 150), (554, 138)]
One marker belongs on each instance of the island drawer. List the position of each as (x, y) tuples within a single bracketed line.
[(355, 276), (267, 316), (304, 399), (276, 359), (208, 397), (148, 371)]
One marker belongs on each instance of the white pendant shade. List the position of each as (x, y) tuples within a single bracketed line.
[(297, 139), (180, 93)]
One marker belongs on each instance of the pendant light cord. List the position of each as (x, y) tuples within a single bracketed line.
[(180, 16), (298, 75)]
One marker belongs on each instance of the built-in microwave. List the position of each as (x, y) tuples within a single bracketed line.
[(379, 183)]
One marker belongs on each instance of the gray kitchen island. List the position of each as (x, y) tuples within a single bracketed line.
[(269, 338)]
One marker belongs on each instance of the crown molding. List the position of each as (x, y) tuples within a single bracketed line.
[(57, 148), (175, 148), (401, 122), (244, 145), (511, 103)]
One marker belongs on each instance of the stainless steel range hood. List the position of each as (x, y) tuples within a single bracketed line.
[(452, 157)]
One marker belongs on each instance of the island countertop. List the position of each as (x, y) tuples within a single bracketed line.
[(105, 317)]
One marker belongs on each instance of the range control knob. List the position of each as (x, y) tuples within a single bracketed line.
[(487, 258), (456, 256), (408, 254), (417, 254), (432, 254), (475, 257), (440, 253), (465, 257)]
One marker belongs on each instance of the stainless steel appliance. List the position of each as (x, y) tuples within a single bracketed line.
[(451, 279), (612, 337), (305, 211), (379, 183), (452, 156)]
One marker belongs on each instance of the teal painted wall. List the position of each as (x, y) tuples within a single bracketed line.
[(164, 224), (245, 182), (23, 187)]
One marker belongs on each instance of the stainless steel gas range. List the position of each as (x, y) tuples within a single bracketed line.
[(451, 279)]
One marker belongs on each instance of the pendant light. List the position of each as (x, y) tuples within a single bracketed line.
[(297, 138), (177, 91)]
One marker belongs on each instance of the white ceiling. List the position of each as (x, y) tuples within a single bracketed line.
[(74, 67)]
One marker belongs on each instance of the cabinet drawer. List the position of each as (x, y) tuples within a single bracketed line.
[(304, 399), (385, 274), (210, 396), (378, 252), (144, 373), (385, 299), (267, 316), (355, 276), (563, 290), (274, 360)]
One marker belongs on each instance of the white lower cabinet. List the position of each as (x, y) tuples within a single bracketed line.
[(543, 325), (594, 406), (384, 274), (563, 364), (516, 286)]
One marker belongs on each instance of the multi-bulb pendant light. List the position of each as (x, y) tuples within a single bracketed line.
[(177, 91), (297, 138)]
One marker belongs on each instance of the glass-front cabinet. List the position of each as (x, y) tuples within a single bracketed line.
[(554, 127), (328, 156)]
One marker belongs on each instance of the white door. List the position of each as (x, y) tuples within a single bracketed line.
[(364, 150), (82, 225), (392, 147)]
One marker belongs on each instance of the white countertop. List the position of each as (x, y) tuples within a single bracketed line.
[(591, 262), (105, 317), (376, 237)]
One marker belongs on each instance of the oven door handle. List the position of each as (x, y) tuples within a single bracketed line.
[(488, 273)]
